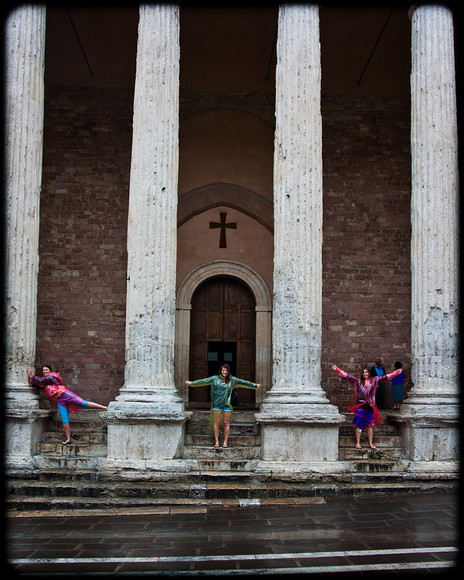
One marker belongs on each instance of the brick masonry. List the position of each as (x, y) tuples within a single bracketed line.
[(82, 278)]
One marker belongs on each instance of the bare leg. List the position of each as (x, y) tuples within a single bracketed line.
[(217, 421), (370, 433), (67, 432), (96, 406), (226, 427), (358, 437)]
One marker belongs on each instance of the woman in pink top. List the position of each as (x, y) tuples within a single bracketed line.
[(66, 400), (366, 413)]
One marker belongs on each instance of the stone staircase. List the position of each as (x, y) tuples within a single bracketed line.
[(243, 449), (383, 466), (74, 476), (88, 448)]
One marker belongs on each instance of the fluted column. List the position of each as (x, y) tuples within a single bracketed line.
[(433, 401), (24, 113), (296, 395), (149, 394)]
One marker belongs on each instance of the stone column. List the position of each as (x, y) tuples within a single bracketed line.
[(431, 410), (296, 411), (24, 112), (147, 419)]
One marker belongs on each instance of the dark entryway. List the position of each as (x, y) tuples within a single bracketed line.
[(223, 330)]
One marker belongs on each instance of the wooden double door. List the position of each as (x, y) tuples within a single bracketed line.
[(222, 330)]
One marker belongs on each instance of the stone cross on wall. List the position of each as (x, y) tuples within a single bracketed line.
[(223, 225)]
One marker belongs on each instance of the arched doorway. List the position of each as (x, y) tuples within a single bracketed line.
[(263, 312), (222, 329)]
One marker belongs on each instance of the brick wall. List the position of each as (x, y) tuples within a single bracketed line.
[(82, 278), (366, 239)]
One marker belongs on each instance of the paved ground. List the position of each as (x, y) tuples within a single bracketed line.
[(389, 534)]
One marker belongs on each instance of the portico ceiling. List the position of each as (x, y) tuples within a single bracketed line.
[(365, 50)]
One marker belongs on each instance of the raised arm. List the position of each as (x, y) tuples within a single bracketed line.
[(201, 382), (41, 381), (393, 374), (342, 374), (339, 371), (242, 383)]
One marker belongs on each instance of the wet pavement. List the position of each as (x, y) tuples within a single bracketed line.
[(390, 534)]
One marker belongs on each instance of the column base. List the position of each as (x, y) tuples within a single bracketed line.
[(302, 438), (430, 433), (24, 429), (145, 436)]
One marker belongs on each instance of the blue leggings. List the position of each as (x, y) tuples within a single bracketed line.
[(64, 413)]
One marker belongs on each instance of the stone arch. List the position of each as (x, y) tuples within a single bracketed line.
[(263, 318), (249, 202)]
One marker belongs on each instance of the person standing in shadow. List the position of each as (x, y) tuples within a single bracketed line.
[(378, 371), (397, 384)]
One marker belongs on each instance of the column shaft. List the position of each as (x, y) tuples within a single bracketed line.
[(152, 224), (296, 410), (25, 57), (434, 206), (146, 421), (25, 52), (430, 413), (297, 310), (152, 229)]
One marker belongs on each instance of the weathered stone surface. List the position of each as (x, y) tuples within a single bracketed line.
[(296, 406), (146, 422), (431, 412), (25, 58)]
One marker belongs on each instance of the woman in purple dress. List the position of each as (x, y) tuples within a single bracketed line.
[(398, 387), (366, 413), (65, 399)]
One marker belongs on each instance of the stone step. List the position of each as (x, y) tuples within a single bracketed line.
[(242, 428), (231, 464), (88, 448), (207, 488), (244, 443), (238, 416), (235, 451), (388, 453), (386, 438), (347, 429), (85, 419), (90, 436), (74, 448), (379, 441), (375, 465), (70, 462), (235, 440)]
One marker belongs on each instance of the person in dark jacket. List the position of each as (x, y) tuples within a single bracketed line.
[(378, 371)]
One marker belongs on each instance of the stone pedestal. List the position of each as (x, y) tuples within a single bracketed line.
[(146, 422), (24, 91), (299, 425), (430, 414)]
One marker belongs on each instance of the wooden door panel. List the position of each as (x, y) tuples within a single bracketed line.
[(198, 322), (232, 298), (223, 311), (214, 330), (214, 297), (230, 330), (247, 352), (247, 325)]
